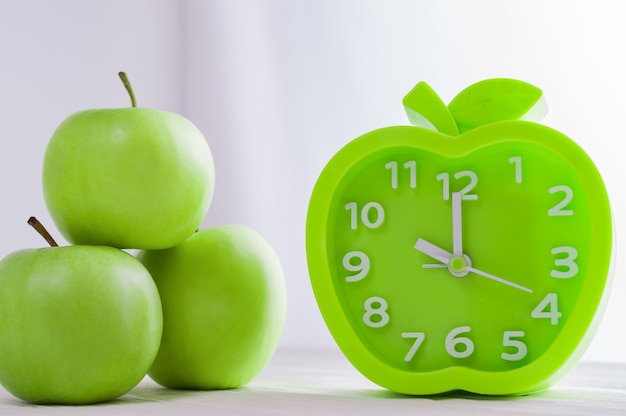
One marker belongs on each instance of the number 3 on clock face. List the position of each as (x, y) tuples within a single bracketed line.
[(479, 256)]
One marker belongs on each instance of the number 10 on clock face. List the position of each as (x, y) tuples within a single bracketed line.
[(474, 261)]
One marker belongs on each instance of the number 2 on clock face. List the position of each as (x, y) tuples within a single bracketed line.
[(502, 298)]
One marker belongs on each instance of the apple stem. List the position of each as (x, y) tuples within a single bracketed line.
[(128, 87), (34, 222)]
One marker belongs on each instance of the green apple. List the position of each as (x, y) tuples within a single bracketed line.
[(127, 177), (223, 296), (78, 324)]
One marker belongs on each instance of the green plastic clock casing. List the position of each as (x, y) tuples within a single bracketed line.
[(476, 257)]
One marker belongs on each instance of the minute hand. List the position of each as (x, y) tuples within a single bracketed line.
[(498, 279), (457, 224)]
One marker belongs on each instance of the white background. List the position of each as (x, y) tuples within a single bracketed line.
[(277, 87)]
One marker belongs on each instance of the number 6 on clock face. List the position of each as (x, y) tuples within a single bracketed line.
[(474, 262)]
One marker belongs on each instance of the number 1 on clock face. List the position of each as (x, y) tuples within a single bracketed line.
[(517, 163)]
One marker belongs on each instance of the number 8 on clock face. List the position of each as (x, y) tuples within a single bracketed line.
[(475, 262)]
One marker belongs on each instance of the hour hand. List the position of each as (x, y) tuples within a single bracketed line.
[(434, 251)]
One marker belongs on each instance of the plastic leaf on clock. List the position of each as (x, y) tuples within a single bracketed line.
[(425, 109), (497, 99)]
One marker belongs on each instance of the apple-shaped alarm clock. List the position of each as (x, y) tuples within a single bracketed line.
[(471, 251)]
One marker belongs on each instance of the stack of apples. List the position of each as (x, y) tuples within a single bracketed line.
[(141, 290)]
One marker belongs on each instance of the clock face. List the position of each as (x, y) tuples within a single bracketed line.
[(476, 258)]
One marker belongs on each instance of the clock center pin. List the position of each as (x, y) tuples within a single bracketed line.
[(459, 265)]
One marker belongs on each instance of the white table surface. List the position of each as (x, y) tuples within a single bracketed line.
[(302, 382)]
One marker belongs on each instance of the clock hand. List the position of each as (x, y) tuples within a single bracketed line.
[(433, 251), (463, 267), (457, 224), (434, 266), (498, 279)]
